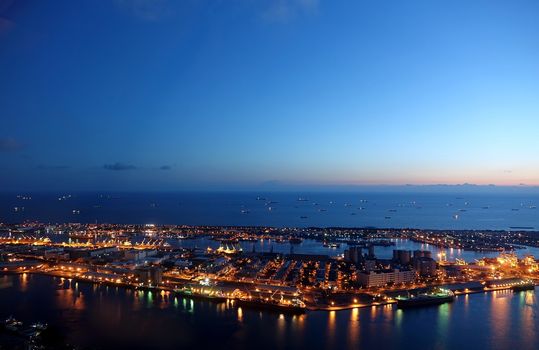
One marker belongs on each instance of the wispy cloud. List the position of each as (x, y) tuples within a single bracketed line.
[(284, 10), (119, 166), (52, 167), (10, 145), (148, 10), (5, 23)]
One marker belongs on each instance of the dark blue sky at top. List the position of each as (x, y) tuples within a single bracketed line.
[(156, 94)]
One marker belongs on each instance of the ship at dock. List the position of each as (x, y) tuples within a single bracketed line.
[(437, 296), (294, 306), (523, 285)]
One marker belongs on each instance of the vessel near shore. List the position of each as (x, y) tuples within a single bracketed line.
[(293, 307), (525, 285), (436, 297)]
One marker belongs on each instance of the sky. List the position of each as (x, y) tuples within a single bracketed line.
[(227, 94)]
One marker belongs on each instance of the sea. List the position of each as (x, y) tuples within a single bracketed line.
[(478, 211), (105, 317)]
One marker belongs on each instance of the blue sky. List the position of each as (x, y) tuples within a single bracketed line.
[(157, 94)]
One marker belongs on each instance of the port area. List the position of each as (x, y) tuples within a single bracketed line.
[(314, 300), (347, 301)]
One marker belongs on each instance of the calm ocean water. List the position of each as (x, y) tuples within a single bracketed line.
[(110, 317), (415, 210)]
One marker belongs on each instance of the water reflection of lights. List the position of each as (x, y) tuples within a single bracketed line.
[(353, 329), (398, 317), (331, 327), (24, 282), (240, 314), (528, 326), (500, 303)]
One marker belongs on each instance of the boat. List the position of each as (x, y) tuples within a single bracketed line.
[(437, 296), (39, 326), (294, 306), (523, 285), (303, 217), (295, 240), (189, 293), (12, 324)]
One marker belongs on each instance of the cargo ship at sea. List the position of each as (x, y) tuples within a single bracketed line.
[(435, 297)]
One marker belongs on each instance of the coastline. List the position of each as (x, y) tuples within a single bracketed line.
[(200, 296)]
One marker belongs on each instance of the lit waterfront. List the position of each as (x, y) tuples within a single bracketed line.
[(92, 315)]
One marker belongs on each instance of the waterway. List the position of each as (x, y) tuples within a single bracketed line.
[(309, 246), (111, 317)]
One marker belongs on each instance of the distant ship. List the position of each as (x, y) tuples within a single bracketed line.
[(301, 199), (436, 297), (303, 217)]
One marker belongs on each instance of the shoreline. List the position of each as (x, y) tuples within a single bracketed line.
[(311, 308)]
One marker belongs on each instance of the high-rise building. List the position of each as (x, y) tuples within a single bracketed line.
[(402, 257)]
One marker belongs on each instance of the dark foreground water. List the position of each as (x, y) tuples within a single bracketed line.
[(417, 210), (110, 317)]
